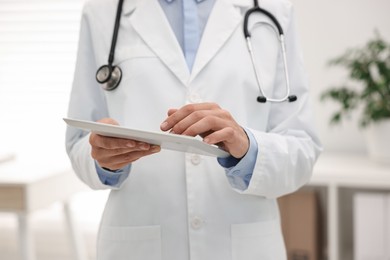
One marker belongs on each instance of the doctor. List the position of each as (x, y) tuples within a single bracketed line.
[(186, 69)]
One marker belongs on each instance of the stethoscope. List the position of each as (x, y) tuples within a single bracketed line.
[(110, 75), (262, 98)]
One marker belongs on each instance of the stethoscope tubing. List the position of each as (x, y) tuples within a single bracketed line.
[(115, 34), (265, 12), (258, 77), (110, 76), (280, 36)]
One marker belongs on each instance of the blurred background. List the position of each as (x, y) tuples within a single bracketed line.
[(38, 44)]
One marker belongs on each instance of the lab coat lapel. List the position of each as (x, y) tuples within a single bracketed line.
[(223, 21), (149, 21)]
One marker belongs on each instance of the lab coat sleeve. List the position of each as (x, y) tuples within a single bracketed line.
[(289, 147), (87, 102)]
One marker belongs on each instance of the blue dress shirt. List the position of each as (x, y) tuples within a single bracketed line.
[(188, 19)]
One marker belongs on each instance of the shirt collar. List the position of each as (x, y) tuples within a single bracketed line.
[(198, 1)]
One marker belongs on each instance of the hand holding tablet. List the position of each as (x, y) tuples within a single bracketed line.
[(164, 140)]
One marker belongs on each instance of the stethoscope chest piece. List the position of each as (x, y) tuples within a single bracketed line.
[(109, 77)]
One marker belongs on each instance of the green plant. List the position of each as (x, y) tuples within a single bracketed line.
[(369, 84)]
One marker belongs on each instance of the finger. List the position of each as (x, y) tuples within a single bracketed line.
[(110, 142), (110, 162), (205, 125), (99, 152), (183, 112), (197, 115), (171, 111), (136, 156), (194, 118), (108, 121), (119, 161), (225, 135)]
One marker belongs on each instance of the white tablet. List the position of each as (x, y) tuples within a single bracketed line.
[(175, 142)]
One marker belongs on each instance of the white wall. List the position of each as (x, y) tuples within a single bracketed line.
[(327, 28), (38, 43)]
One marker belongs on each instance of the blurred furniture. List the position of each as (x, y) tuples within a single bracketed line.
[(338, 171), (300, 219), (27, 187), (371, 226)]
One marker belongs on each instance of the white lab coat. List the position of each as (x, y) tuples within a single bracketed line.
[(176, 206)]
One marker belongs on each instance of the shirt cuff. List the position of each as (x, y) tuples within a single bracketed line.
[(112, 178), (239, 171)]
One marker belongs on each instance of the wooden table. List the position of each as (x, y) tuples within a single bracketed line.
[(27, 187)]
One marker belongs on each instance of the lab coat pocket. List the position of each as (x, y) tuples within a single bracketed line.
[(134, 51), (259, 240), (135, 243)]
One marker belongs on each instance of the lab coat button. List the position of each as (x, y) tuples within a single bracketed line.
[(196, 223), (195, 159), (194, 98)]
